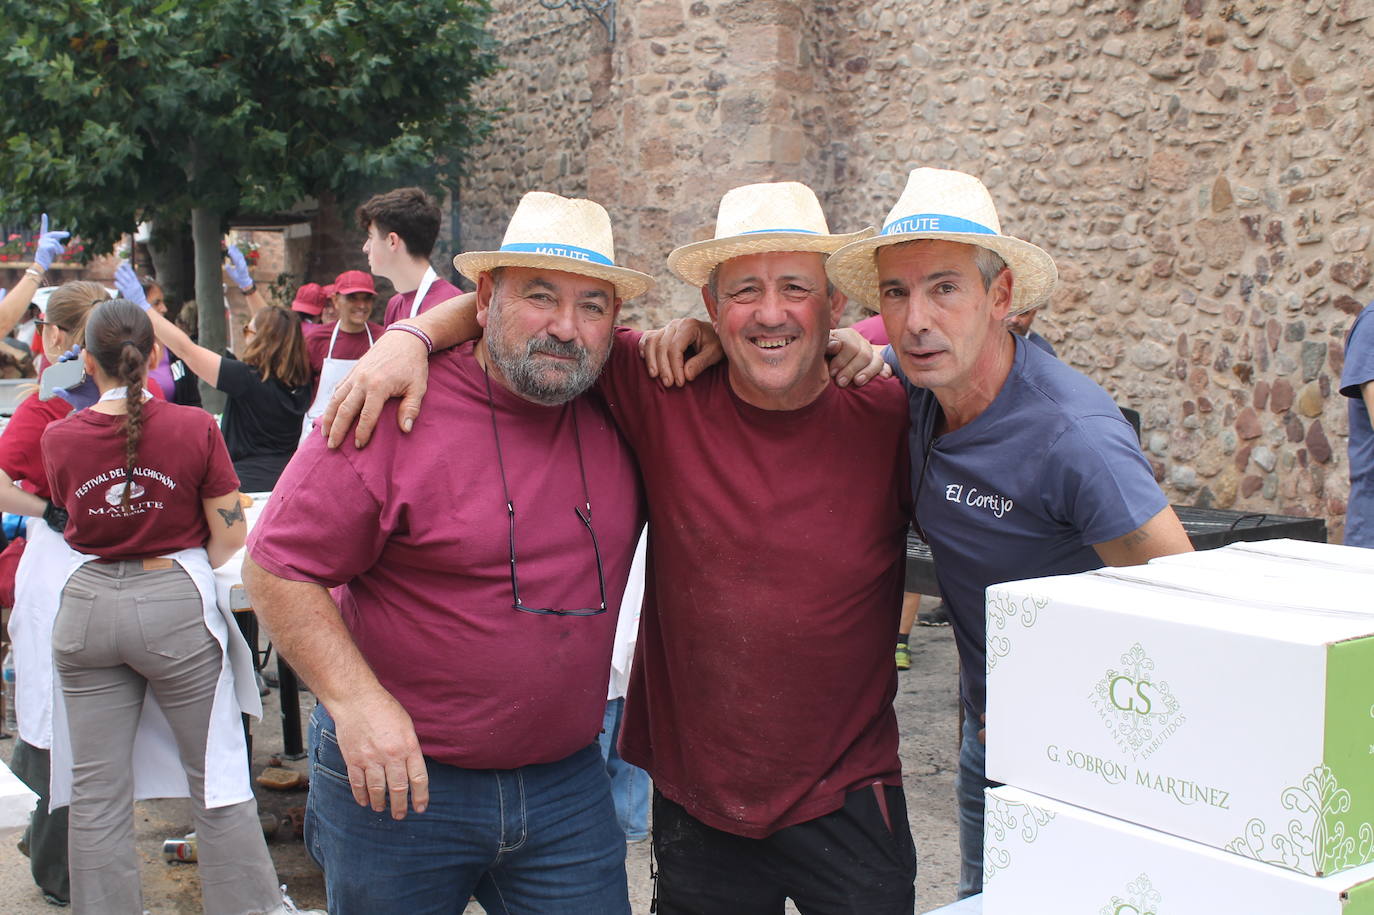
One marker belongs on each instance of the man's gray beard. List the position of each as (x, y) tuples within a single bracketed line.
[(541, 381)]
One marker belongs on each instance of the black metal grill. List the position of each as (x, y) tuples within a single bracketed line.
[(1208, 528)]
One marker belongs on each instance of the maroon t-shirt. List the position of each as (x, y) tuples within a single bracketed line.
[(347, 346), (763, 680), (413, 532), (182, 461), (872, 330), (20, 455), (440, 290)]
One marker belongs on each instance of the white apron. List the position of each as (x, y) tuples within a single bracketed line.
[(420, 293), (332, 372), (156, 762)]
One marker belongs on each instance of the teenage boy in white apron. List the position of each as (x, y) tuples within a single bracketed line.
[(401, 227)]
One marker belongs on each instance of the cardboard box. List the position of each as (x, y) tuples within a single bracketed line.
[(970, 906), (1043, 856), (1232, 709)]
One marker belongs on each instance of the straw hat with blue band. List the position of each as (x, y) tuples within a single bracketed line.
[(757, 218), (558, 233), (945, 205)]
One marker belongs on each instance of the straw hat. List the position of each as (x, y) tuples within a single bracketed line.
[(779, 216), (559, 233), (951, 206)]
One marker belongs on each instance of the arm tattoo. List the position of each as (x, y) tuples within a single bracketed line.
[(1135, 538), (231, 515)]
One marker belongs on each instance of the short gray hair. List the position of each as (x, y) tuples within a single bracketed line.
[(990, 265)]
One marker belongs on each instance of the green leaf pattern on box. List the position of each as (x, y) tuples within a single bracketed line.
[(1317, 840), (1005, 609), (1141, 897), (1003, 820)]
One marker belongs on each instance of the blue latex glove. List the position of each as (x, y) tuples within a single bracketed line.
[(84, 394), (238, 269), (126, 281), (49, 245)]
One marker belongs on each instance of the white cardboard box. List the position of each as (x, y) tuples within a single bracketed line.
[(970, 906), (1042, 855), (1232, 709)]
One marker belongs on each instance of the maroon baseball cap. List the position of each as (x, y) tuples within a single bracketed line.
[(309, 299), (351, 281)]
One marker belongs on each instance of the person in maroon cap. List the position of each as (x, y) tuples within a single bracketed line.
[(335, 347), (330, 312), (309, 303)]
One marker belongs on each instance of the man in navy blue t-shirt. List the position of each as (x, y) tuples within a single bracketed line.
[(1021, 466), (1357, 383)]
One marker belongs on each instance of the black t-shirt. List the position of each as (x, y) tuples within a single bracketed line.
[(262, 423)]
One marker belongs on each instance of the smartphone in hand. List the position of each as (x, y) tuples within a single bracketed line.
[(60, 375)]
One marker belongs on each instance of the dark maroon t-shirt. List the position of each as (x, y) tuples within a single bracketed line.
[(763, 680), (872, 330), (440, 290), (413, 534), (347, 346), (181, 461)]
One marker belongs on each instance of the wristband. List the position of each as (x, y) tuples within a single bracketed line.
[(415, 331), (35, 274), (249, 289)]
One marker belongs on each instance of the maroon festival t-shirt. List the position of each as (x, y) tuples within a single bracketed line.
[(182, 461), (398, 308), (413, 533), (762, 685)]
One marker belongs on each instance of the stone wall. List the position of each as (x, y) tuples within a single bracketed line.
[(1197, 169)]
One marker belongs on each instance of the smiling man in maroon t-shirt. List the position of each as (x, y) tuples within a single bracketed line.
[(501, 528), (761, 695)]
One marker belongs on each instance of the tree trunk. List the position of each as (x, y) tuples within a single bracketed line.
[(205, 233), (174, 264)]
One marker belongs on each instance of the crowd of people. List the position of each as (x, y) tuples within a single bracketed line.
[(729, 496)]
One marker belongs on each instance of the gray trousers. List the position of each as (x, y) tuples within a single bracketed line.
[(119, 628)]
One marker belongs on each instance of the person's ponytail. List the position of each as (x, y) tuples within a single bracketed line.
[(119, 337)]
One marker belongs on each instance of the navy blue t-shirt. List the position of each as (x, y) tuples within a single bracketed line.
[(1359, 368), (1047, 470)]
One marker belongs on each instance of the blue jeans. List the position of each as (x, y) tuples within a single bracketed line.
[(537, 839), (629, 784), (968, 789)]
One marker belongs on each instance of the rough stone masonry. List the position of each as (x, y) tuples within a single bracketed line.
[(1199, 170)]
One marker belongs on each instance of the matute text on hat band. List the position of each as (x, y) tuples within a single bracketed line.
[(935, 222), (552, 250)]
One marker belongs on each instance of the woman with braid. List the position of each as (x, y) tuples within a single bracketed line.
[(153, 504)]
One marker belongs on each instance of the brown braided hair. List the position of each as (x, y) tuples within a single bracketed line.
[(119, 338)]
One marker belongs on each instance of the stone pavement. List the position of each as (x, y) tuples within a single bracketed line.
[(927, 713)]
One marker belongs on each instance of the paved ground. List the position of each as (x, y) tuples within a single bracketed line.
[(927, 711)]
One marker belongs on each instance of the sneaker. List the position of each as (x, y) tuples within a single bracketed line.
[(903, 656), (935, 616)]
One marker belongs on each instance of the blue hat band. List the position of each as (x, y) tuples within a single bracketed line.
[(935, 222), (793, 231), (557, 250)]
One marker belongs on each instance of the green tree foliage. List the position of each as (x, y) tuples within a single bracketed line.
[(115, 111), (112, 113)]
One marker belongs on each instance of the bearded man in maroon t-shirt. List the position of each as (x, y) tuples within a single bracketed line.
[(500, 528), (761, 695)]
